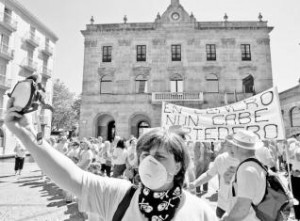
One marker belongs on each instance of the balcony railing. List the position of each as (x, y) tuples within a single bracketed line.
[(46, 72), (32, 39), (8, 22), (29, 65), (47, 50), (6, 52), (5, 83), (177, 96)]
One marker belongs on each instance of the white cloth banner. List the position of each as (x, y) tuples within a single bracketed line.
[(260, 114)]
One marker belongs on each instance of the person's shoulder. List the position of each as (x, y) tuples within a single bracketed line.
[(250, 167), (193, 200), (196, 208)]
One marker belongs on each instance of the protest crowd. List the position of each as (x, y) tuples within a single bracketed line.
[(162, 174)]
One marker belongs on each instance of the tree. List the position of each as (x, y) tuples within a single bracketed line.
[(66, 107)]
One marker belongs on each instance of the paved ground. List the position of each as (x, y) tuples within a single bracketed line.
[(29, 197)]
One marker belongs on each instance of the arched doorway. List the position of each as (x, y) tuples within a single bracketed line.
[(141, 127), (105, 127), (111, 130), (138, 124)]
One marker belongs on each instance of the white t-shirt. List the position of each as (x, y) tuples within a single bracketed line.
[(102, 195), (251, 184), (121, 155), (225, 166)]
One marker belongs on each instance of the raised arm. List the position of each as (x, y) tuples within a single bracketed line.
[(57, 166)]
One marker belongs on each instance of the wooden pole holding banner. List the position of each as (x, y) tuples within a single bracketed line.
[(295, 201)]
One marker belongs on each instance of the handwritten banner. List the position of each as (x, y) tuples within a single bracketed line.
[(260, 114)]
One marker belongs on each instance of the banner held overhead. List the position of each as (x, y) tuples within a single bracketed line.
[(260, 114)]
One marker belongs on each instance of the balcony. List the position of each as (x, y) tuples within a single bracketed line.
[(29, 65), (7, 22), (47, 50), (177, 96), (6, 53), (32, 39), (5, 83), (45, 72)]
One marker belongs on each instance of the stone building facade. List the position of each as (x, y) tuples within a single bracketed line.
[(26, 47), (290, 108), (130, 68)]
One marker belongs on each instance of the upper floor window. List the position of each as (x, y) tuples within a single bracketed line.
[(211, 52), (106, 53), (141, 85), (106, 84), (141, 53), (212, 83), (246, 52), (248, 84), (176, 52)]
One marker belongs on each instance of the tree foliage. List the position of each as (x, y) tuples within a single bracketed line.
[(66, 107)]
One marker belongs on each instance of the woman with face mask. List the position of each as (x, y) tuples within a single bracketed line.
[(162, 159)]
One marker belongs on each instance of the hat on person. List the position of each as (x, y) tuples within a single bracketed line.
[(245, 139)]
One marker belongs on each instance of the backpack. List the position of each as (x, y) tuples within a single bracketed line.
[(275, 204), (123, 205)]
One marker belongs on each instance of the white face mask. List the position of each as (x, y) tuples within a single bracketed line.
[(153, 174)]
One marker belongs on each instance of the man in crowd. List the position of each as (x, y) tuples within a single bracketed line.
[(224, 166), (250, 183)]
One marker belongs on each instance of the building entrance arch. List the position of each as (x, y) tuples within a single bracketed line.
[(138, 123), (105, 127)]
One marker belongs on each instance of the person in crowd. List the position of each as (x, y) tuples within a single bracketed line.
[(119, 158), (295, 177), (163, 160), (202, 154), (250, 182), (106, 159), (190, 173), (73, 152), (224, 166), (132, 161), (86, 155), (20, 154), (265, 155), (62, 145)]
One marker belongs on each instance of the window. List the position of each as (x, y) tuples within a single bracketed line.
[(212, 83), (141, 127), (246, 53), (248, 84), (295, 117), (141, 53), (106, 53), (141, 85), (176, 52), (211, 52), (176, 85), (106, 85)]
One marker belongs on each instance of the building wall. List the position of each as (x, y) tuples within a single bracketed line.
[(158, 69), (13, 68), (290, 108)]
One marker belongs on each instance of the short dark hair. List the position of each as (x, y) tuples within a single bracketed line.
[(173, 143), (121, 143)]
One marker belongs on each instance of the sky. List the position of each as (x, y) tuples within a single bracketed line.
[(66, 18)]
